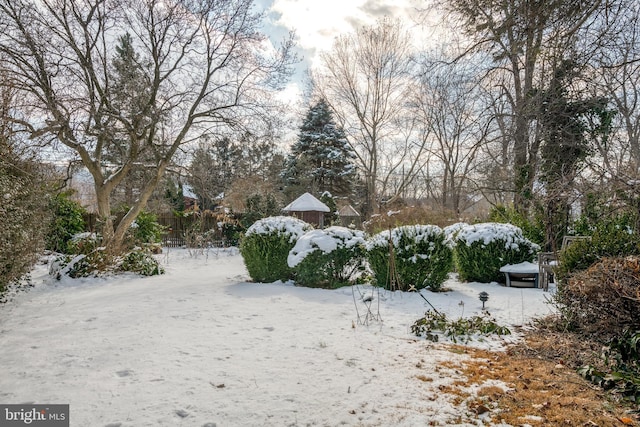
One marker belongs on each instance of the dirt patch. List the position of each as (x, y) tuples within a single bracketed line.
[(535, 383)]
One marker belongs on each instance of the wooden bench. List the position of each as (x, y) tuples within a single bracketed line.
[(548, 261)]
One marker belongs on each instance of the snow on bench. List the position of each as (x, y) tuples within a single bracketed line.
[(523, 275)]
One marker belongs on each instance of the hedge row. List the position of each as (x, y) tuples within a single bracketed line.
[(285, 248)]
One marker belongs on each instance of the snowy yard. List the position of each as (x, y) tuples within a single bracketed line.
[(201, 346)]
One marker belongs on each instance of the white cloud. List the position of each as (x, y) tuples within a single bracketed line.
[(291, 93), (317, 23)]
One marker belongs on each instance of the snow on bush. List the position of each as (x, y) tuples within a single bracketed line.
[(140, 261), (89, 259), (325, 241), (451, 231), (422, 256), (266, 245), (481, 249), (280, 225), (327, 258)]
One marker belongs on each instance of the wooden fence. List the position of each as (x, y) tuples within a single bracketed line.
[(179, 231)]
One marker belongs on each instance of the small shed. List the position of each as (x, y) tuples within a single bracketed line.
[(349, 217), (308, 209)]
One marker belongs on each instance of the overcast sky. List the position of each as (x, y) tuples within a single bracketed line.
[(317, 22)]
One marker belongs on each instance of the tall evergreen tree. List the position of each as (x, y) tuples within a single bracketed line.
[(321, 159), (131, 94)]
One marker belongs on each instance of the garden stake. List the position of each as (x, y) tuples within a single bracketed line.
[(434, 309)]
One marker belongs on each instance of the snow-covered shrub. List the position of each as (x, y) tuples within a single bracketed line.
[(481, 249), (85, 257), (266, 245), (533, 228), (458, 330), (422, 257), (140, 261), (83, 243), (451, 231), (81, 265), (88, 258), (328, 258)]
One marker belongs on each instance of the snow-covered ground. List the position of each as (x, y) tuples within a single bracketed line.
[(201, 346)]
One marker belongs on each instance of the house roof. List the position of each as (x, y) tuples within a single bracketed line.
[(187, 191), (306, 203), (348, 210)]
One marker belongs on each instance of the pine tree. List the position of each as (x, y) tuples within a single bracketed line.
[(321, 159), (131, 100)]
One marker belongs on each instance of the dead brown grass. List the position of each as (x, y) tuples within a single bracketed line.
[(544, 387)]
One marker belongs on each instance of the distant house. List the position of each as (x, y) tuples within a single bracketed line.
[(349, 217), (190, 198), (308, 209)]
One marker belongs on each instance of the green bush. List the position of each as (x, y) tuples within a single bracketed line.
[(532, 229), (86, 258), (598, 211), (423, 258), (231, 232), (145, 230), (622, 359), (68, 220), (482, 249), (328, 258), (451, 232), (266, 245), (141, 261), (330, 217), (258, 207), (83, 243), (24, 216), (81, 265), (613, 238), (464, 329)]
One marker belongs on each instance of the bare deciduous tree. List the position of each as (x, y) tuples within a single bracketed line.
[(614, 169), (618, 78), (448, 102), (522, 36), (194, 67), (366, 80)]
